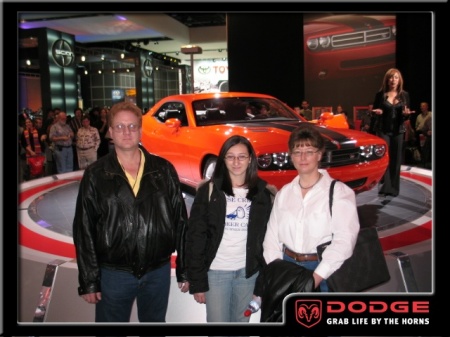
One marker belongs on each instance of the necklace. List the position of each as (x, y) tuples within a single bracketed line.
[(307, 188)]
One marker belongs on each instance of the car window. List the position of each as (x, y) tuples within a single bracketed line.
[(238, 109), (172, 110)]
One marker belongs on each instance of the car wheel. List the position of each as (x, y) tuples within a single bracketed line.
[(209, 168)]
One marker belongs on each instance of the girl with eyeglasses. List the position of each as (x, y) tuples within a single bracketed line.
[(226, 229)]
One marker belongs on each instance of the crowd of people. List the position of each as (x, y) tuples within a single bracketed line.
[(65, 142)]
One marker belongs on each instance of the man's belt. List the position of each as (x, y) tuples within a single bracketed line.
[(300, 257)]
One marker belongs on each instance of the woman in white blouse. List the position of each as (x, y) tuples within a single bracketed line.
[(300, 219)]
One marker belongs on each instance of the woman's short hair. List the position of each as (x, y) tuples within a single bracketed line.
[(306, 134)]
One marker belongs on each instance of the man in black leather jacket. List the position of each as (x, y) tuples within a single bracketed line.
[(130, 217)]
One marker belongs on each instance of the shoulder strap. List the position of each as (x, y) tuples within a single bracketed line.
[(331, 194)]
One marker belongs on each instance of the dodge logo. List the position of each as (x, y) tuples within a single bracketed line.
[(148, 68), (308, 312), (63, 53)]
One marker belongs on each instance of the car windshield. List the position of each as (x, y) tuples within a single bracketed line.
[(240, 109)]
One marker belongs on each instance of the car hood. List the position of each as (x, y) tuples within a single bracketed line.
[(276, 133), (356, 22)]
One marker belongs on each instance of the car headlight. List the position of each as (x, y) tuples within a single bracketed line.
[(367, 151), (325, 41), (379, 150), (279, 159), (264, 160), (312, 43), (394, 30)]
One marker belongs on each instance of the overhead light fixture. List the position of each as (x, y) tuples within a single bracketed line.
[(191, 49), (122, 56), (85, 72), (28, 63), (99, 71), (83, 58)]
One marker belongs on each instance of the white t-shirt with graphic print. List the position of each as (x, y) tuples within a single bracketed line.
[(232, 249)]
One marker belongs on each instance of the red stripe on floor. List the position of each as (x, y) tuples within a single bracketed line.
[(33, 240), (23, 195), (408, 237), (424, 179)]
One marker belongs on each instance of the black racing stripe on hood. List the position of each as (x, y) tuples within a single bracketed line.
[(334, 139), (357, 22)]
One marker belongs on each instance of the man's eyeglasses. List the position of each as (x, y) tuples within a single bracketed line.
[(122, 127), (307, 154), (233, 158)]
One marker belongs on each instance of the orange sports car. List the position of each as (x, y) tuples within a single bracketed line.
[(189, 130)]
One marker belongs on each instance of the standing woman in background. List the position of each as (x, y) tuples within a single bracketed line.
[(391, 108)]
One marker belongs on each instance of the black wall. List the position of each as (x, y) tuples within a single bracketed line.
[(414, 55), (265, 54)]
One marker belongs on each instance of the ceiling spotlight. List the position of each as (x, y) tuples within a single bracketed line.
[(85, 72), (28, 63), (114, 71), (103, 57), (83, 58), (122, 56), (99, 71)]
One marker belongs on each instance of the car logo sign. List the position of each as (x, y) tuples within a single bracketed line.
[(308, 312), (62, 53), (204, 70), (148, 68)]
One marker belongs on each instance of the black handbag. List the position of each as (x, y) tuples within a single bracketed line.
[(366, 267)]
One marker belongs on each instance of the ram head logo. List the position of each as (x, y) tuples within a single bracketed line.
[(308, 312)]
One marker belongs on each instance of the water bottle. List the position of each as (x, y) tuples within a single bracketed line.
[(253, 306)]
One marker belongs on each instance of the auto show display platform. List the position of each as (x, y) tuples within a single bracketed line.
[(48, 276)]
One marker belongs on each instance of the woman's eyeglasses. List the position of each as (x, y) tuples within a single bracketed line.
[(306, 154), (240, 158)]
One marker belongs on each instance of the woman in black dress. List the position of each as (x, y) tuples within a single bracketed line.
[(391, 108)]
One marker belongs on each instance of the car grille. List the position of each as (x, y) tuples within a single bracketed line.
[(335, 158), (363, 37)]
